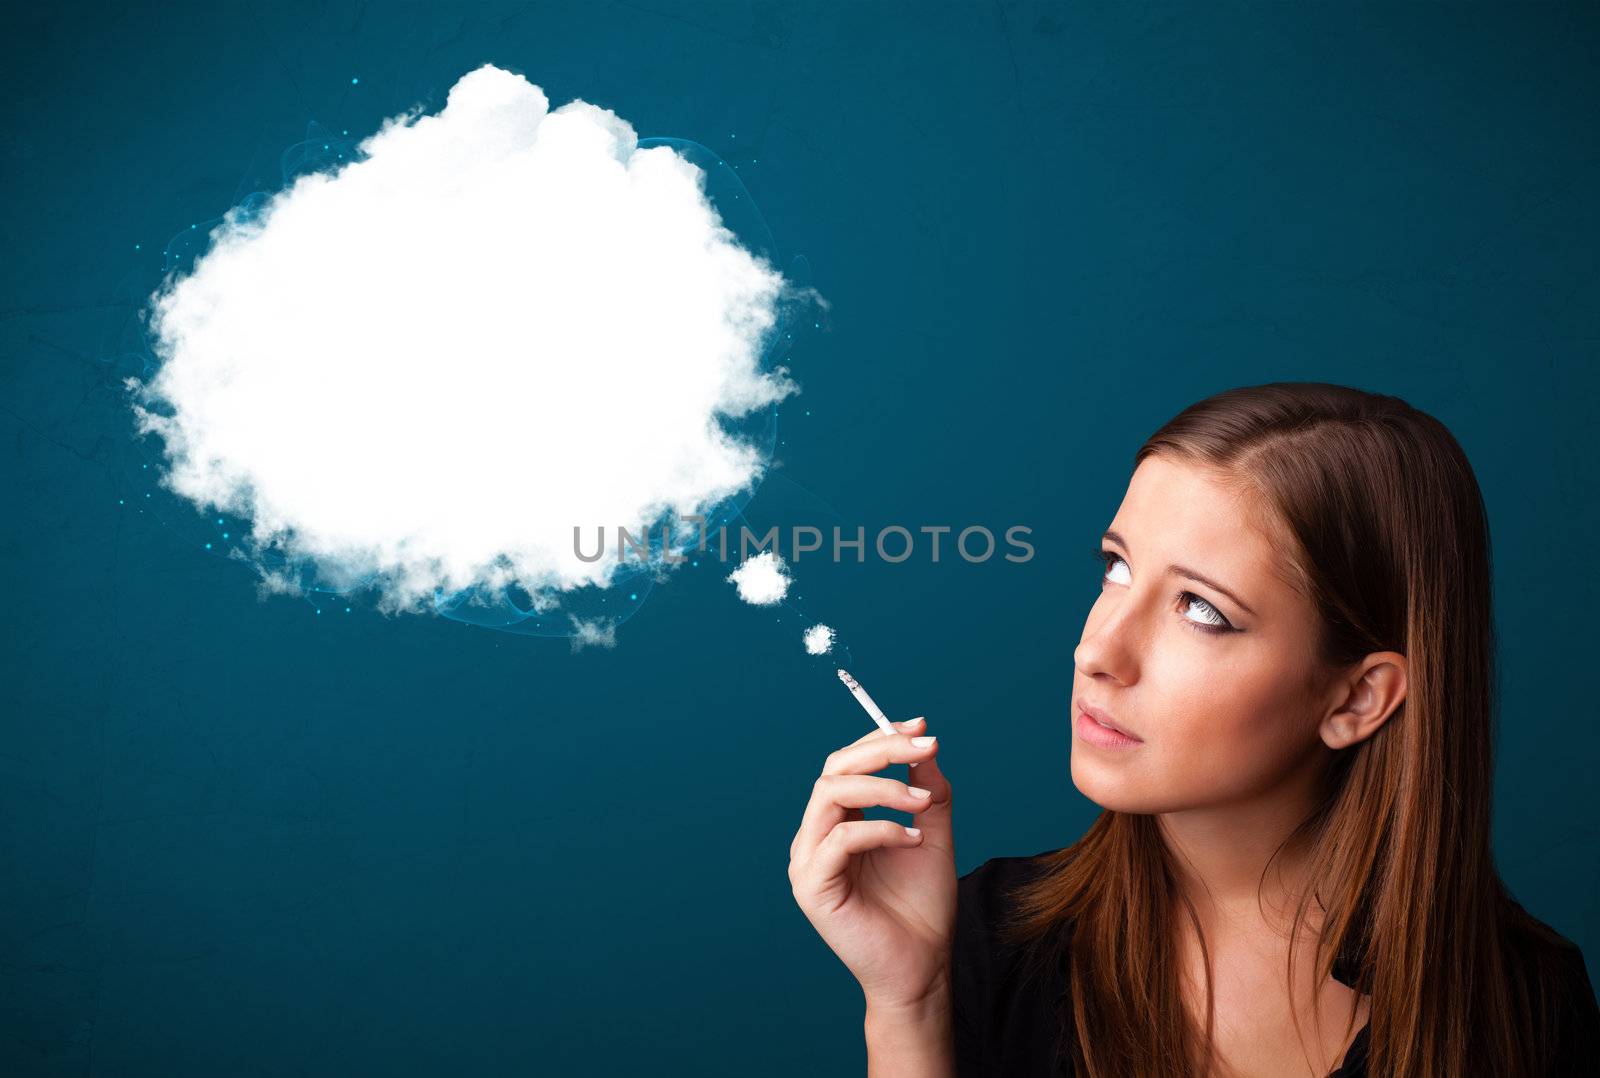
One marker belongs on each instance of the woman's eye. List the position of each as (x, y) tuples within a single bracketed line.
[(1111, 558), (1211, 619)]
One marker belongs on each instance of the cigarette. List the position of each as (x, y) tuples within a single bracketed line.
[(866, 701), (872, 709)]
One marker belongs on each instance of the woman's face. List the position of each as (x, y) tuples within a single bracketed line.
[(1218, 680)]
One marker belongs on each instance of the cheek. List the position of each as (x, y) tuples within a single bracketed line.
[(1223, 718), (1237, 728)]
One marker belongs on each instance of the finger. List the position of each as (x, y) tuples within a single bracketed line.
[(910, 726), (937, 813), (850, 838), (876, 753), (833, 795)]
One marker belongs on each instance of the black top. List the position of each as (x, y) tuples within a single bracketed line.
[(1005, 1028)]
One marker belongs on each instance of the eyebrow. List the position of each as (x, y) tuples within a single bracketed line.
[(1185, 571)]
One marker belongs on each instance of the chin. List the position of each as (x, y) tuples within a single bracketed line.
[(1108, 790), (1120, 790)]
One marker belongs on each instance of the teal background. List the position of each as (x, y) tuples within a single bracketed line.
[(239, 837)]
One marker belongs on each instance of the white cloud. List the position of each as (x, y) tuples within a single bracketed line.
[(761, 580), (819, 639), (497, 323)]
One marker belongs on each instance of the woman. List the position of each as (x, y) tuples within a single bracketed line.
[(1282, 700)]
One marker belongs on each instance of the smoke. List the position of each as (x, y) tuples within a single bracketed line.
[(761, 580), (494, 324), (819, 639), (593, 634)]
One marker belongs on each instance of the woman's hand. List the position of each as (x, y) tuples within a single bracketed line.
[(884, 900)]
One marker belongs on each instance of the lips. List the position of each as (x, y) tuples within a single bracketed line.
[(1099, 716)]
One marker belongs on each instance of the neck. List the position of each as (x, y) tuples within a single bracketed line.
[(1221, 853)]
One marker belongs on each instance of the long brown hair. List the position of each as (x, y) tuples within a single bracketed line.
[(1387, 535)]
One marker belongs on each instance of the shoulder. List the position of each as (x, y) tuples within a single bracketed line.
[(1555, 976), (1004, 1023), (1573, 1014), (1543, 955), (986, 896), (987, 889)]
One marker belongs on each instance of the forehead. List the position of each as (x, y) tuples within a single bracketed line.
[(1181, 513)]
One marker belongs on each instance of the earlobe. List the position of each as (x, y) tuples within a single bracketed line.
[(1371, 693)]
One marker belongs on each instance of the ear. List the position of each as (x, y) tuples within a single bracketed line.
[(1365, 697)]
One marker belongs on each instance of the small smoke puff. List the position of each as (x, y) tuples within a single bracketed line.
[(761, 580), (595, 633), (495, 324), (819, 639)]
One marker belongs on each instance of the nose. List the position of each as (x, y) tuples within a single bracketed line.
[(1109, 645)]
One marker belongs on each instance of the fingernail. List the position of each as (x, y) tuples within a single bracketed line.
[(917, 791), (909, 723), (923, 742), (913, 831)]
